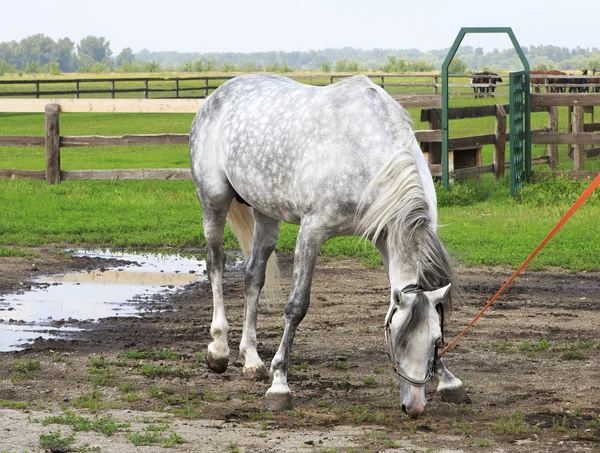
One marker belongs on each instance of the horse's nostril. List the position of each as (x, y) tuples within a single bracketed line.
[(404, 409)]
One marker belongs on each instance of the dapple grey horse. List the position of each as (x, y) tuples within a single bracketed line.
[(337, 160)]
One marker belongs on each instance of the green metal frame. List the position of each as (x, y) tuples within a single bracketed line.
[(517, 88), (526, 101)]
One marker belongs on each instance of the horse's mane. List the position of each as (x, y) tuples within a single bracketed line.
[(395, 208)]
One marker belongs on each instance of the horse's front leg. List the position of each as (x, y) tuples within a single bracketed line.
[(450, 388), (266, 233), (309, 240)]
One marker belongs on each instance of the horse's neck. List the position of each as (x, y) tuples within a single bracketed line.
[(401, 273)]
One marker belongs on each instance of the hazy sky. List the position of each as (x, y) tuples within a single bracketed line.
[(264, 25)]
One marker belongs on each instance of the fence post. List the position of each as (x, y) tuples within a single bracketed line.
[(500, 141), (112, 89), (435, 84), (52, 144), (146, 89), (553, 127), (578, 154)]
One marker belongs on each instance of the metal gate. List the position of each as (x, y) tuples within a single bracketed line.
[(517, 171), (520, 124)]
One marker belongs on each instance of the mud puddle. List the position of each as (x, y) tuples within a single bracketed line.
[(50, 304)]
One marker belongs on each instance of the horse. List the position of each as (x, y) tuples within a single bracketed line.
[(337, 160), (579, 81), (486, 77), (550, 82), (556, 82)]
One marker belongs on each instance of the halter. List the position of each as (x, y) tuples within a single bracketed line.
[(438, 344)]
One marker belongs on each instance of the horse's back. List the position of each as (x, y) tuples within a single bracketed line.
[(288, 148)]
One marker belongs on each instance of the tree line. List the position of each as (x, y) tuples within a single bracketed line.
[(41, 54)]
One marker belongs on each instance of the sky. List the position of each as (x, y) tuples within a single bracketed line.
[(268, 25)]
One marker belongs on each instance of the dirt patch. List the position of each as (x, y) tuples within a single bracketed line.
[(530, 365)]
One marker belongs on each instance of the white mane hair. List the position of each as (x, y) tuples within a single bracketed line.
[(394, 207)]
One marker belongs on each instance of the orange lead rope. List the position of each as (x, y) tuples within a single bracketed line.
[(584, 196)]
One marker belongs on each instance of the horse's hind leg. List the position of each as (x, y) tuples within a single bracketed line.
[(266, 233), (214, 217)]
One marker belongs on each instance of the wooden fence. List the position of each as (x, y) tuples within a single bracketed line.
[(202, 86), (465, 152)]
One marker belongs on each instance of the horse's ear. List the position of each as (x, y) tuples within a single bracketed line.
[(400, 298), (439, 295)]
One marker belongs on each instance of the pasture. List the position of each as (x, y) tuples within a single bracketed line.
[(530, 365)]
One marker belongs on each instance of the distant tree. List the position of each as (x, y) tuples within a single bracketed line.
[(9, 53), (6, 67), (353, 66), (36, 49), (250, 66), (100, 68), (341, 65), (457, 66), (152, 66), (125, 56), (326, 66), (64, 54), (54, 68), (33, 67), (394, 64), (228, 67), (97, 48)]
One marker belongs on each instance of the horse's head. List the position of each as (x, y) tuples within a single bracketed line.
[(414, 333)]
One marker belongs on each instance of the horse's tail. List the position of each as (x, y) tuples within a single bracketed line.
[(241, 223)]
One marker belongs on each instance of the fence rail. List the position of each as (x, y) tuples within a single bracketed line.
[(202, 86)]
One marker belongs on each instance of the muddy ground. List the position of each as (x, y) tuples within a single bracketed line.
[(530, 366)]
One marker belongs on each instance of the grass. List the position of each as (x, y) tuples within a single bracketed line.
[(153, 435), (21, 405), (514, 424), (107, 425), (54, 441), (100, 372), (154, 354), (25, 369), (91, 401), (151, 370)]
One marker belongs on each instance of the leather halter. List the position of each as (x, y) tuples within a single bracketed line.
[(439, 344)]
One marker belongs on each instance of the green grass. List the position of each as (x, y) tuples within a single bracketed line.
[(101, 373), (107, 425), (22, 405), (150, 370), (154, 354), (55, 441), (514, 424), (25, 368), (153, 435), (91, 401)]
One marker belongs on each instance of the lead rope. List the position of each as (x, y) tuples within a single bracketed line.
[(584, 196)]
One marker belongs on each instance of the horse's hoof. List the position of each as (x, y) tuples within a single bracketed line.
[(255, 373), (456, 395), (278, 401), (217, 364)]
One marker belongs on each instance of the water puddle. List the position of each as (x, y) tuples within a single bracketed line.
[(126, 289)]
